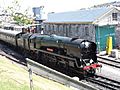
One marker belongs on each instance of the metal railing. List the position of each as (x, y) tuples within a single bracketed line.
[(57, 76)]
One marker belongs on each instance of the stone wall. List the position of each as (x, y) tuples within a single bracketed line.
[(83, 31)]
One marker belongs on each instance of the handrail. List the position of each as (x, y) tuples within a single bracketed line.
[(57, 76)]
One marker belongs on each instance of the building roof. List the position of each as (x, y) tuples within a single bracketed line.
[(85, 15)]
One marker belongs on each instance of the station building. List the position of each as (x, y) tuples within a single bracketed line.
[(94, 24)]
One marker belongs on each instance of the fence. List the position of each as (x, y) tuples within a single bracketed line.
[(56, 76)]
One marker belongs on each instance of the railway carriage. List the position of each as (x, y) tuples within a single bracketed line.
[(9, 36)]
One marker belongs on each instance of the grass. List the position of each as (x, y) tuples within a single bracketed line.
[(14, 77)]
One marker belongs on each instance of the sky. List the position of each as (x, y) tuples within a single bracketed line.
[(56, 5)]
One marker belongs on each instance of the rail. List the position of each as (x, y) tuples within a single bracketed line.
[(110, 62), (105, 82), (57, 76)]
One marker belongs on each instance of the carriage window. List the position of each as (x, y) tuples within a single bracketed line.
[(12, 28)]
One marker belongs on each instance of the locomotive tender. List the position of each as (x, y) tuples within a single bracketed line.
[(83, 51)]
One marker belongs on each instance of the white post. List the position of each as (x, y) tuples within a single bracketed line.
[(30, 77)]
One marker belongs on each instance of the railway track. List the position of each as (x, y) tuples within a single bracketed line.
[(104, 82), (109, 62), (12, 55)]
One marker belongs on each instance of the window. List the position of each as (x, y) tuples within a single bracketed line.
[(86, 31), (114, 16)]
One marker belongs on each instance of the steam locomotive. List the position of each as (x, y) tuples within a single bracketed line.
[(82, 51)]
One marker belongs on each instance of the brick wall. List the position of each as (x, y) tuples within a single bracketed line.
[(83, 31)]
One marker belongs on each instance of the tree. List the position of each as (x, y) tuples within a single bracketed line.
[(20, 18)]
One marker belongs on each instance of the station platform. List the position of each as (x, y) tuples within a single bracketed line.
[(103, 55)]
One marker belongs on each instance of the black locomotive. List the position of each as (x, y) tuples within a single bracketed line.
[(83, 52)]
